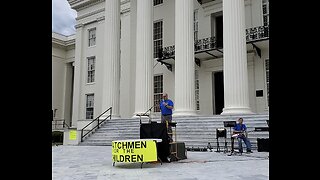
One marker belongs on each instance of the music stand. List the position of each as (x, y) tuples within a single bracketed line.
[(230, 124)]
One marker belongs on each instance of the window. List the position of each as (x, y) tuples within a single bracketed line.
[(92, 37), (91, 69), (89, 106), (156, 2), (197, 89), (265, 12), (267, 78), (158, 88), (195, 25), (157, 39)]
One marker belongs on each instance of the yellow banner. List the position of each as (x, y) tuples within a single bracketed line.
[(134, 151), (73, 135)]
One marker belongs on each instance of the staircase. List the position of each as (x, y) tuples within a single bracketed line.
[(195, 132)]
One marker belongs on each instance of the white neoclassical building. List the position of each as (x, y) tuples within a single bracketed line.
[(210, 56)]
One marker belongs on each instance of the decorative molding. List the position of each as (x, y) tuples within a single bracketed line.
[(64, 43), (83, 4), (125, 11), (212, 7), (90, 14), (124, 2), (78, 26), (216, 6), (100, 18)]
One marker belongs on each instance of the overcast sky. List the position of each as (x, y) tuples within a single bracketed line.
[(63, 17)]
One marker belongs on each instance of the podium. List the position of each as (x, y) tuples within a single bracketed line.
[(157, 131)]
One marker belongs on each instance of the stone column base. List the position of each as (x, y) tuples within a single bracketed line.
[(236, 110)]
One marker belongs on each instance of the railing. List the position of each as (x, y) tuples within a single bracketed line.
[(257, 33), (209, 43), (168, 52), (205, 44), (146, 114), (98, 124), (60, 123)]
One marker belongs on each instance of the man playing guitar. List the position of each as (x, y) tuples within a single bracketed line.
[(240, 132)]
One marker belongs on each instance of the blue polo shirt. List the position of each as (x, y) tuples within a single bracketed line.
[(240, 127), (165, 110)]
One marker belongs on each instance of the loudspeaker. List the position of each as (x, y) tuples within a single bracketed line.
[(221, 132), (263, 145), (180, 148)]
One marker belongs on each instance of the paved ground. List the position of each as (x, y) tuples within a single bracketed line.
[(94, 162)]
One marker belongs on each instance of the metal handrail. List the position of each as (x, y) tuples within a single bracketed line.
[(99, 122), (63, 123)]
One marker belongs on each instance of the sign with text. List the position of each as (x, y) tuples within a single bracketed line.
[(134, 151), (73, 135)]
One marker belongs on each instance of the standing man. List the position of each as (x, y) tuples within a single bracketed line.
[(166, 106)]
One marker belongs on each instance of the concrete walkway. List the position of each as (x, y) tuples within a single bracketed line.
[(94, 162)]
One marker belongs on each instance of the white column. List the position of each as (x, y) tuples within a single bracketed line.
[(184, 104), (111, 82), (77, 76), (235, 69), (144, 57)]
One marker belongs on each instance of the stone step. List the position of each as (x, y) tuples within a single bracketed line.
[(194, 131)]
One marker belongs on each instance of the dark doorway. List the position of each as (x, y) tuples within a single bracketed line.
[(219, 31), (218, 98)]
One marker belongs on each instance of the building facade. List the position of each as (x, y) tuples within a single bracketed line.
[(210, 56)]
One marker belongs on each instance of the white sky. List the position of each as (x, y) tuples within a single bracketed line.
[(63, 17)]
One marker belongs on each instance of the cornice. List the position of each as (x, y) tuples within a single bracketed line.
[(90, 14), (83, 4), (78, 26), (123, 11), (61, 40), (216, 6)]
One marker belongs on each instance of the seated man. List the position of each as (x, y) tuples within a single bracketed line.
[(241, 134)]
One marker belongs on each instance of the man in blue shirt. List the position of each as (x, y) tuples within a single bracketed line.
[(166, 106), (241, 134)]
